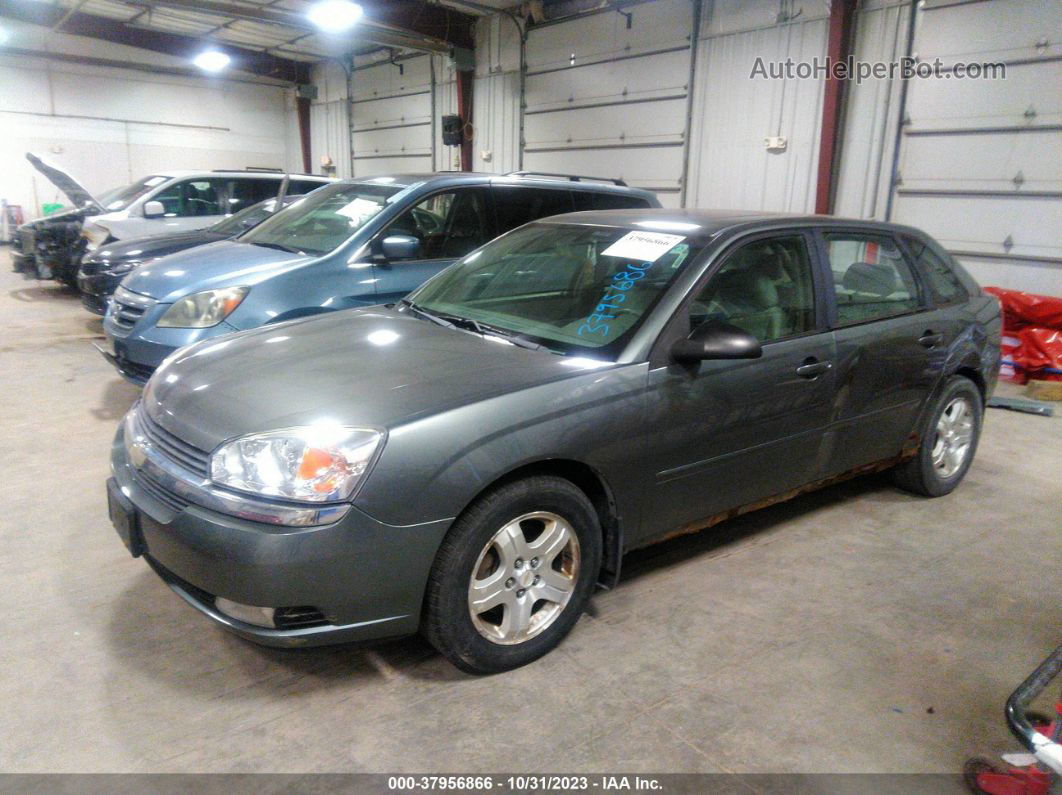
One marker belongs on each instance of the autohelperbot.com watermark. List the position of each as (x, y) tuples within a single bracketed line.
[(859, 71)]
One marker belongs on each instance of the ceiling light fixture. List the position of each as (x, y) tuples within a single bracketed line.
[(212, 60), (334, 16)]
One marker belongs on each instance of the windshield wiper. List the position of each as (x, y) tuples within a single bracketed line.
[(428, 315), (468, 324), (277, 246)]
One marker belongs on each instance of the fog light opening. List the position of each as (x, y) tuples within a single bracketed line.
[(249, 614)]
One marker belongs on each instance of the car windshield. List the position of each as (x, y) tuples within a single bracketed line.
[(245, 219), (120, 198), (324, 220), (571, 289)]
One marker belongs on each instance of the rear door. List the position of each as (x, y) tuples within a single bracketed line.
[(448, 224), (890, 344), (728, 433)]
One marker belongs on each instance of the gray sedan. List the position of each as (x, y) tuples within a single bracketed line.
[(472, 460)]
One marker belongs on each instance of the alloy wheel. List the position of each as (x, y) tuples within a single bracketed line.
[(524, 578), (955, 429)]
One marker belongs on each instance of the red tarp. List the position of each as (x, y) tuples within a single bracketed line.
[(1032, 335)]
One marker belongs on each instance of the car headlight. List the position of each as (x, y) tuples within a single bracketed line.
[(313, 464), (203, 310)]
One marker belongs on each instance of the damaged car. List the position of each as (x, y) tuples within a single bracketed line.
[(52, 247)]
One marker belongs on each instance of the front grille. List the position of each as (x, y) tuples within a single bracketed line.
[(160, 493), (141, 371), (129, 307), (180, 452)]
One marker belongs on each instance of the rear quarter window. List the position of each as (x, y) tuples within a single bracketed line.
[(945, 285)]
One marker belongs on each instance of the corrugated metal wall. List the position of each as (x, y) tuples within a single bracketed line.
[(872, 114), (605, 95), (496, 92), (730, 165), (329, 118), (980, 164)]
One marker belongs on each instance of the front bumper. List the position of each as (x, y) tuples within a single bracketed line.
[(365, 577), (96, 290)]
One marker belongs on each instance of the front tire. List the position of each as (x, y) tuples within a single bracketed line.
[(513, 575), (949, 437)]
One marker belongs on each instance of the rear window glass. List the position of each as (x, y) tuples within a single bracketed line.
[(944, 284)]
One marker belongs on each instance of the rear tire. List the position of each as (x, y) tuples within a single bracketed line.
[(949, 436), (513, 575)]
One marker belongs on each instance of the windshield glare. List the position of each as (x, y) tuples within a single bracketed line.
[(324, 220), (573, 289), (245, 219), (120, 198)]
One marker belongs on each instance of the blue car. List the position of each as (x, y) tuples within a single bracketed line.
[(350, 244)]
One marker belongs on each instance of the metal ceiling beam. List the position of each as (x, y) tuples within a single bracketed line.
[(422, 34), (116, 32)]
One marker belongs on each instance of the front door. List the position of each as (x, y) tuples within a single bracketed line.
[(448, 225), (727, 433)]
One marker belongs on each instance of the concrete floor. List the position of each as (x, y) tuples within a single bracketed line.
[(856, 629)]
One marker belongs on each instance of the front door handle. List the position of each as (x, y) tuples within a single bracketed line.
[(812, 368), (930, 339)]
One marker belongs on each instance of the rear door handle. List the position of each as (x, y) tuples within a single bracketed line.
[(930, 339), (812, 368)]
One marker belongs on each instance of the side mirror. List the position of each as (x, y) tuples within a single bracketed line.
[(717, 341), (154, 209), (400, 247)]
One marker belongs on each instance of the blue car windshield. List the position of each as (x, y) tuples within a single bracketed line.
[(571, 289), (324, 220)]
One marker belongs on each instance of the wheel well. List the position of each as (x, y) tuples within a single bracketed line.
[(974, 375), (597, 491)]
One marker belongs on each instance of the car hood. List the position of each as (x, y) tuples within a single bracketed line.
[(147, 248), (73, 189), (227, 263), (370, 367)]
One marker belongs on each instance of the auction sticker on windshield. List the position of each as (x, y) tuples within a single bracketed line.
[(643, 246)]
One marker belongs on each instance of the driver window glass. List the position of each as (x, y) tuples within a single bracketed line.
[(871, 279), (193, 197), (448, 225), (764, 287)]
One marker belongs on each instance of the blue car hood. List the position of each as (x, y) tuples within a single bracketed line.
[(227, 263)]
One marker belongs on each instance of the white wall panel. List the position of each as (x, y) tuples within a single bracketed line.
[(730, 166), (329, 118), (496, 96), (108, 126), (872, 113), (391, 116)]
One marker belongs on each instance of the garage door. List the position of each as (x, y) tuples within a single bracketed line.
[(980, 164), (606, 95), (391, 117)]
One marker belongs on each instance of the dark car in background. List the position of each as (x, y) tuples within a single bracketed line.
[(353, 243), (102, 270), (471, 460)]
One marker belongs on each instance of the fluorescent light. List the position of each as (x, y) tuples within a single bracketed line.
[(211, 60), (334, 16), (4, 36)]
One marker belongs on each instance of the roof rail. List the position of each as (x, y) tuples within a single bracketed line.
[(249, 170), (571, 177)]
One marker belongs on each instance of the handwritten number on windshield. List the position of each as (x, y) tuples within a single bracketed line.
[(614, 297)]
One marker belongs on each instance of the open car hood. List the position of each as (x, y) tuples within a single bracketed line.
[(73, 189)]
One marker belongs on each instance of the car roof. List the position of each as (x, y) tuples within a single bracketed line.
[(448, 178), (709, 223), (239, 173)]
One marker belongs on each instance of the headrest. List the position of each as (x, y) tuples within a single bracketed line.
[(862, 277)]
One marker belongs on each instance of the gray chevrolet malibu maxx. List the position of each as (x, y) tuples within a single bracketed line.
[(472, 460)]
